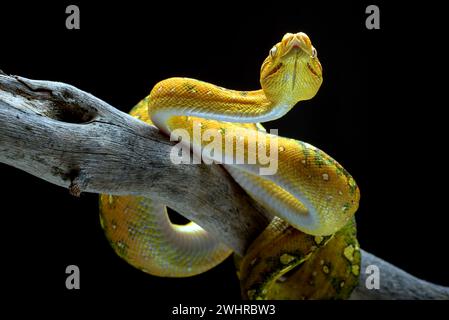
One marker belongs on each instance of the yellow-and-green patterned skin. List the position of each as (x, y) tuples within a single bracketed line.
[(310, 191)]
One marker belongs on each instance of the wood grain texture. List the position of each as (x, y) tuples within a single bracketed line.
[(70, 138)]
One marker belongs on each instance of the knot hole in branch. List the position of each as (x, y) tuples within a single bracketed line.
[(71, 113), (61, 103), (66, 109)]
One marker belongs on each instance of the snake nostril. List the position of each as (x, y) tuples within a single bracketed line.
[(304, 39)]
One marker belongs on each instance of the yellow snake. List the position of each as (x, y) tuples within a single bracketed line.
[(310, 191)]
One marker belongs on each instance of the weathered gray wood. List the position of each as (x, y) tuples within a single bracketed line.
[(395, 284), (72, 139)]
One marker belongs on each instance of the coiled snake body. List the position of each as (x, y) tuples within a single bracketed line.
[(310, 191)]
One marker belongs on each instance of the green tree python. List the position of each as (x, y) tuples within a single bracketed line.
[(310, 249)]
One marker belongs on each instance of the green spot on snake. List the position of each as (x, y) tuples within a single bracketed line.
[(305, 151), (352, 185), (348, 252), (319, 160), (121, 248), (132, 230), (355, 270), (190, 87), (286, 258)]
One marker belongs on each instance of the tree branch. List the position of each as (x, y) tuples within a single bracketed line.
[(395, 284), (70, 138)]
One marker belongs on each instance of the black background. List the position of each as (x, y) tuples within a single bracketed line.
[(380, 113)]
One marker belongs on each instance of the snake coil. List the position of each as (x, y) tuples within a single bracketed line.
[(310, 249)]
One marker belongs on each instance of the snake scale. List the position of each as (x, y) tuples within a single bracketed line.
[(312, 196)]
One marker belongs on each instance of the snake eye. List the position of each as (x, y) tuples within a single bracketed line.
[(273, 51), (314, 52)]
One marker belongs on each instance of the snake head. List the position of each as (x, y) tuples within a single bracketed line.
[(292, 71)]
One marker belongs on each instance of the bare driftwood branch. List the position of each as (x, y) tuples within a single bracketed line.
[(70, 138), (395, 284)]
